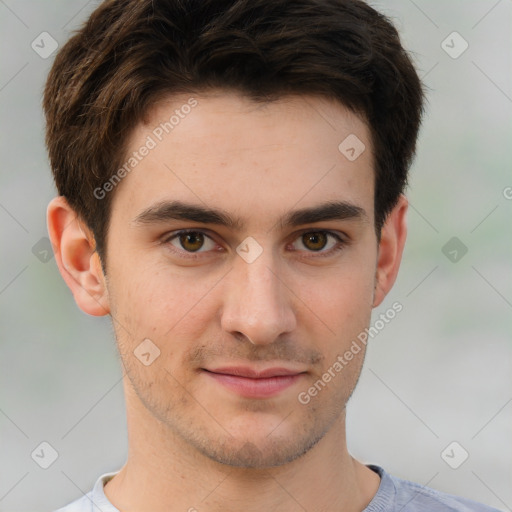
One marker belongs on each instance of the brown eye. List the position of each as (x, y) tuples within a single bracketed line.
[(314, 241), (192, 241), (191, 244)]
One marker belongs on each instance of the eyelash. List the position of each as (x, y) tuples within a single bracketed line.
[(340, 245)]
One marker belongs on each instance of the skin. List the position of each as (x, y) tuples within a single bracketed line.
[(193, 443)]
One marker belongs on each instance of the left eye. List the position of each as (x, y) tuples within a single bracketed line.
[(192, 241), (316, 241)]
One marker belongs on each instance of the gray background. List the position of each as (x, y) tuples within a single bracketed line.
[(439, 372)]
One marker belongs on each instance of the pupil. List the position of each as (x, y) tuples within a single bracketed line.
[(192, 241), (315, 241)]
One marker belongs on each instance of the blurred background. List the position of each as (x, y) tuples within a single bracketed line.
[(434, 403)]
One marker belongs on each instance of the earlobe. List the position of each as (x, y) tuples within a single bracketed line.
[(75, 254), (391, 246)]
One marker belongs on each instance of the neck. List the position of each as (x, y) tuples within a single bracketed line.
[(163, 472)]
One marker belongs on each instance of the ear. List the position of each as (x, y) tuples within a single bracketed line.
[(391, 246), (79, 264)]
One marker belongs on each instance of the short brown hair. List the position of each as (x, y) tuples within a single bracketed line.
[(131, 53)]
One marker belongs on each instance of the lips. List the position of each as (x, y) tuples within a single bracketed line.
[(245, 371), (251, 383)]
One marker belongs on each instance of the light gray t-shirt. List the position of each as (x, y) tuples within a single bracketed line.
[(393, 495)]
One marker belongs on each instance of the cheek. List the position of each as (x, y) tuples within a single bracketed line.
[(340, 299), (161, 304), (338, 310)]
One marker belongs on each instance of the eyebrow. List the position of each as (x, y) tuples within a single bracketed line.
[(177, 210)]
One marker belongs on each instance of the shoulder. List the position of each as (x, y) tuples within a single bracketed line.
[(93, 501), (397, 494), (419, 497), (83, 504)]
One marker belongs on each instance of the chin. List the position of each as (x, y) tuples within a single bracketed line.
[(257, 444), (257, 455)]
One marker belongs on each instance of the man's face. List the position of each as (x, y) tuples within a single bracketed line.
[(276, 279)]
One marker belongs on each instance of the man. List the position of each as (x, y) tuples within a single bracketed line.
[(231, 177)]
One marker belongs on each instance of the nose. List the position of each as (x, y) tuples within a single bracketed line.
[(257, 304)]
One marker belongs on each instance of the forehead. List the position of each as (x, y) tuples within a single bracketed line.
[(206, 120), (227, 151)]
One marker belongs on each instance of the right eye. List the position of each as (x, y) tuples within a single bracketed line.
[(191, 241)]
